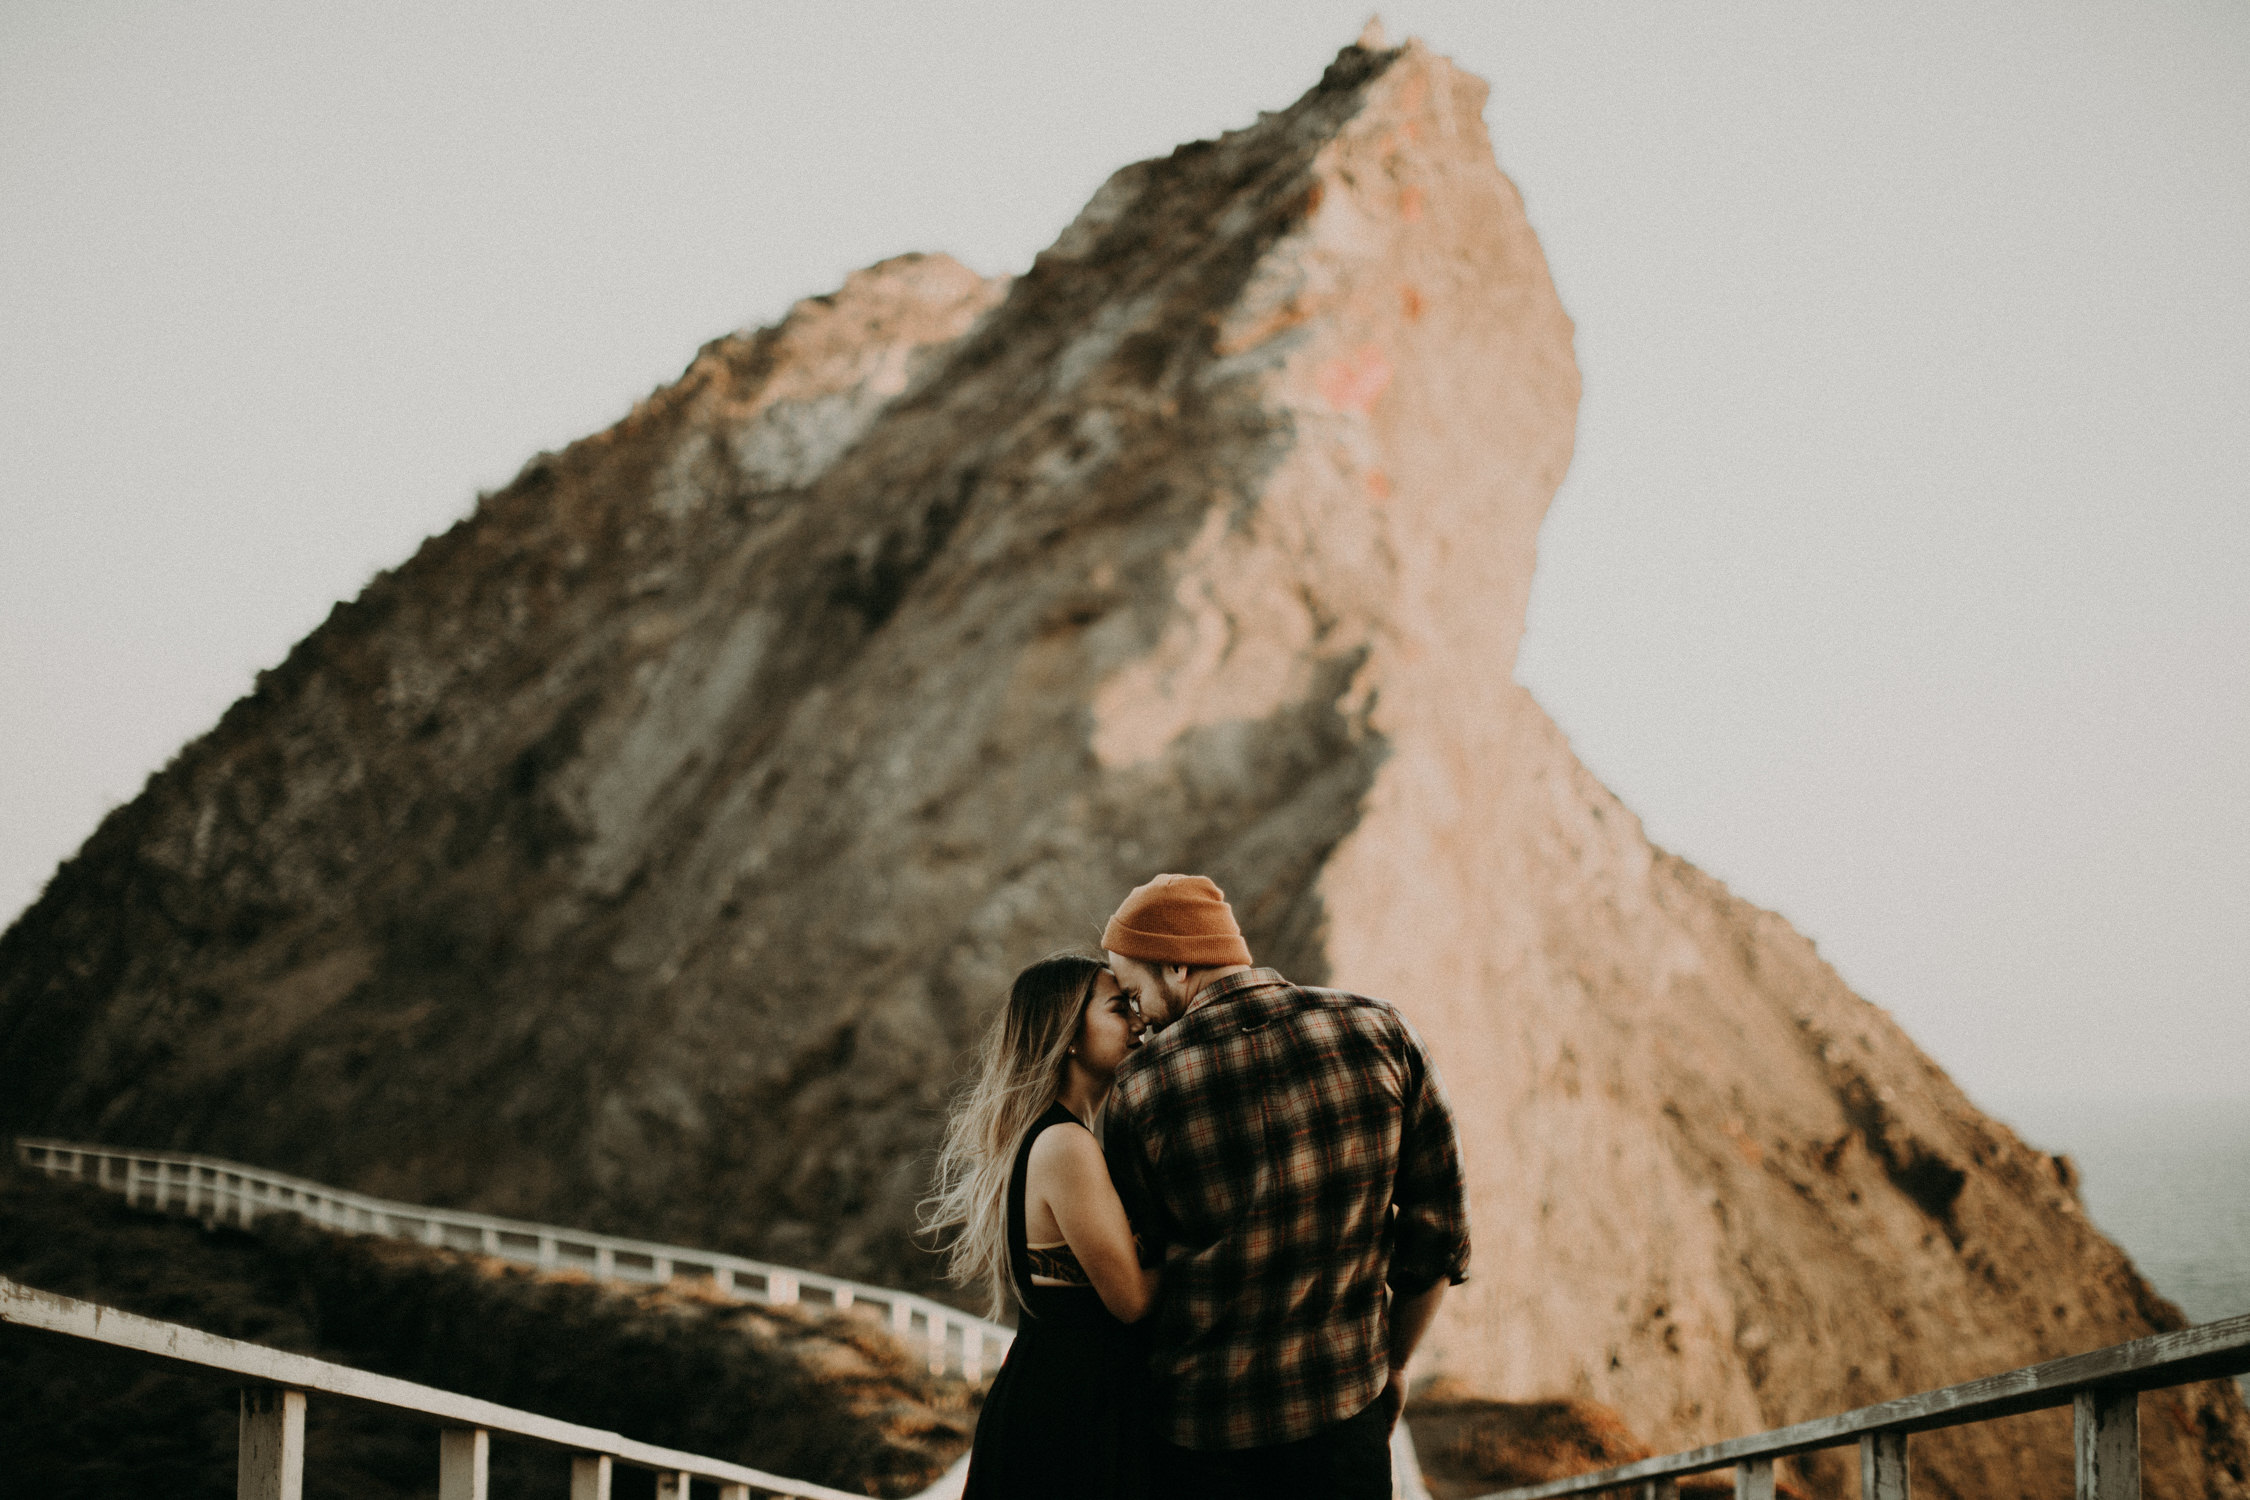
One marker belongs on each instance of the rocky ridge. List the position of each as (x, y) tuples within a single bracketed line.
[(648, 849)]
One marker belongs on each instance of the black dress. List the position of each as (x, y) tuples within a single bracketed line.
[(1067, 1416)]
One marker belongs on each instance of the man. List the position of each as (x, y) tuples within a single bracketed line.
[(1291, 1154)]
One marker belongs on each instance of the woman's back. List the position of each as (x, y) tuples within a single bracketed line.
[(1067, 1414)]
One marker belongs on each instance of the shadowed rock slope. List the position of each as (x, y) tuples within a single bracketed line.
[(648, 849)]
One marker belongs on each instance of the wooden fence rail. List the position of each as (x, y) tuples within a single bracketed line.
[(228, 1192), (2103, 1386), (271, 1444)]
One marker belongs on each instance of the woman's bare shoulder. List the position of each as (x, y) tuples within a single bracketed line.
[(1067, 1147)]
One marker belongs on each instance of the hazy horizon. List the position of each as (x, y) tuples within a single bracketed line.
[(1899, 579)]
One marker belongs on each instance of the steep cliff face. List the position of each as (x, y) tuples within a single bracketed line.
[(647, 850)]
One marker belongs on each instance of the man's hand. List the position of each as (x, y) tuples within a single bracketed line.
[(1410, 1319), (1393, 1400)]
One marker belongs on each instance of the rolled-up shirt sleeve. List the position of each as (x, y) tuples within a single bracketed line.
[(1431, 1233)]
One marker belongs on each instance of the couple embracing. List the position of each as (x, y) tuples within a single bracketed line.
[(1217, 1296)]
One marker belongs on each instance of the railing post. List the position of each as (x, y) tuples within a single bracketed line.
[(1753, 1479), (270, 1445), (464, 1463), (734, 1492), (972, 1353), (589, 1476), (2108, 1444), (1882, 1466), (781, 1289), (1660, 1489), (671, 1485)]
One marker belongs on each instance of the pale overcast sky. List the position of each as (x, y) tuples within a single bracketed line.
[(1900, 580)]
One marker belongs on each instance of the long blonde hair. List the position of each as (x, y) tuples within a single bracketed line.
[(1019, 1073)]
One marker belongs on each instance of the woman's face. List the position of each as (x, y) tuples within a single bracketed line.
[(1111, 1028)]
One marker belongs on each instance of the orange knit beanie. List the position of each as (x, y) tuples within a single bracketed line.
[(1177, 919)]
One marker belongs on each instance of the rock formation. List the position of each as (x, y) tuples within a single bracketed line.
[(648, 849)]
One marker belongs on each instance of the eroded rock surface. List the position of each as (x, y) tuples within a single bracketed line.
[(648, 849)]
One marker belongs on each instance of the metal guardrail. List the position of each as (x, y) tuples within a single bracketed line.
[(2103, 1386), (229, 1192), (270, 1445)]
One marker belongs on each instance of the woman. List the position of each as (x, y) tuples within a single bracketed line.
[(1022, 1182)]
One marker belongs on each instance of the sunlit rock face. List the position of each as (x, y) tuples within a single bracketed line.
[(647, 851)]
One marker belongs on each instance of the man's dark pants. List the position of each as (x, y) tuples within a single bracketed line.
[(1349, 1461)]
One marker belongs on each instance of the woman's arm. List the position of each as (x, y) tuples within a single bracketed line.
[(1068, 1173)]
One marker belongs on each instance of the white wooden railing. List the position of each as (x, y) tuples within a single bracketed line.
[(228, 1192), (270, 1444)]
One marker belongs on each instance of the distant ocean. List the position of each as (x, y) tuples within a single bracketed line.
[(2168, 1180)]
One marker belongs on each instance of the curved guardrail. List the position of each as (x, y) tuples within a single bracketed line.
[(228, 1192)]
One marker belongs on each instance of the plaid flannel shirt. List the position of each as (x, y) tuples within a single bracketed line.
[(1291, 1151)]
